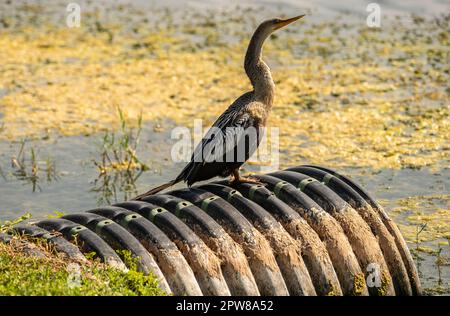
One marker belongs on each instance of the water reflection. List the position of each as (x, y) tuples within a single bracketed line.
[(119, 166), (115, 187), (29, 168)]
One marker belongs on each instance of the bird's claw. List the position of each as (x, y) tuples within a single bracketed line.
[(246, 180)]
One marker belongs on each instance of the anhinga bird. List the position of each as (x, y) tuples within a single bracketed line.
[(224, 139)]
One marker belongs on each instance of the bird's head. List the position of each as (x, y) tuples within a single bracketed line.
[(263, 31), (272, 25)]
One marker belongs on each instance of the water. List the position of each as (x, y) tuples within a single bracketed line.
[(412, 196)]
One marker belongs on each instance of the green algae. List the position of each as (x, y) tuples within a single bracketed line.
[(336, 108), (359, 284), (346, 95)]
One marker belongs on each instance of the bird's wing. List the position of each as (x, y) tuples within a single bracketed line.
[(233, 116), (227, 138), (217, 135)]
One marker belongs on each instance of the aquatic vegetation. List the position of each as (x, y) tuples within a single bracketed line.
[(115, 187), (419, 229), (334, 109), (119, 167), (424, 221), (27, 169), (118, 151), (427, 218), (441, 261)]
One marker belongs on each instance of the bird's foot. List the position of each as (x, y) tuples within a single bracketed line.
[(249, 179)]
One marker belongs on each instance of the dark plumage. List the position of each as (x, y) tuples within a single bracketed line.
[(236, 133)]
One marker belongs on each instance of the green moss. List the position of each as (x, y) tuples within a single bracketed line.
[(359, 284), (23, 275), (382, 290), (333, 292)]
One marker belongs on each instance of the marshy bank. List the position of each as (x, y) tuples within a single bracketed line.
[(371, 103)]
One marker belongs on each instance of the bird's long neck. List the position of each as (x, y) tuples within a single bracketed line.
[(257, 70)]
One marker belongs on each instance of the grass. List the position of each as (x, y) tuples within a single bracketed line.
[(440, 288), (25, 275), (54, 274), (118, 150), (119, 166), (419, 230)]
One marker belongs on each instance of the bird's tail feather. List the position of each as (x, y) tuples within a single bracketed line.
[(157, 189)]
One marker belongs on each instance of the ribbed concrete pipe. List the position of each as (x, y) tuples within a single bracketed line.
[(177, 271), (286, 250), (364, 243), (331, 233), (390, 225), (61, 245), (86, 239), (261, 259), (303, 231), (313, 250), (120, 239), (387, 243), (234, 264)]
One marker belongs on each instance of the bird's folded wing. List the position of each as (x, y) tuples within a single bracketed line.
[(219, 141), (233, 116)]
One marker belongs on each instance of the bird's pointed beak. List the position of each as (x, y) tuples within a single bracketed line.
[(283, 23)]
